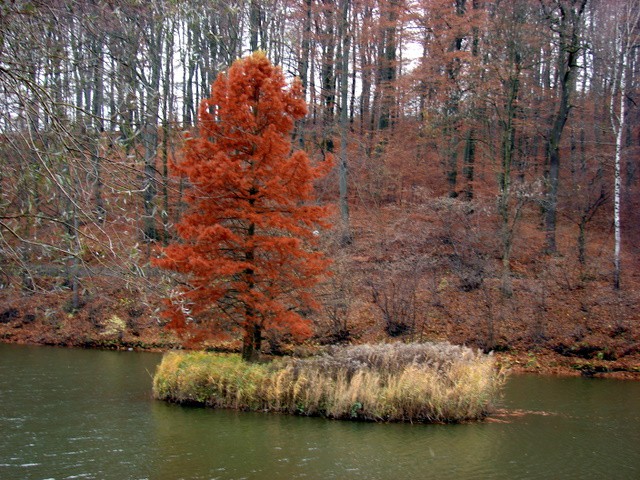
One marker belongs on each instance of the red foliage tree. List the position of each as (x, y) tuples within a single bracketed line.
[(245, 238)]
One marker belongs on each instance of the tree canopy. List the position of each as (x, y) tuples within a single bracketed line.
[(251, 217)]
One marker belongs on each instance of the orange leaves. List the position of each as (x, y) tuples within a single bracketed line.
[(251, 209)]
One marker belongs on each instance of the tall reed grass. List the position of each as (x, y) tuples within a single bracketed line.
[(419, 382)]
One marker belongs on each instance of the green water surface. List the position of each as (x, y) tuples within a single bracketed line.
[(69, 414)]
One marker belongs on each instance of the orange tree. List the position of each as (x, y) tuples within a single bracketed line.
[(246, 236)]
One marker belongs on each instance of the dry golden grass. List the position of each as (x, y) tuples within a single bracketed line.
[(390, 382)]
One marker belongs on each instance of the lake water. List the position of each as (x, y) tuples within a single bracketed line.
[(67, 414)]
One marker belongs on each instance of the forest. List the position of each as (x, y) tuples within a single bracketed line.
[(485, 187)]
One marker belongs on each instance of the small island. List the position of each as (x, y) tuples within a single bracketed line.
[(397, 382)]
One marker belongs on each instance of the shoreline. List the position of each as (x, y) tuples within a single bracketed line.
[(533, 362), (552, 364)]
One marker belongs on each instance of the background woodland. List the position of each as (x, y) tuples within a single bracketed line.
[(487, 182)]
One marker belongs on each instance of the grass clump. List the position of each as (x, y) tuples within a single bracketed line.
[(419, 382)]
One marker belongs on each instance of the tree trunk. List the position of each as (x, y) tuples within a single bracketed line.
[(469, 162), (365, 65), (252, 337), (508, 143), (188, 109), (617, 174), (305, 54), (627, 41), (150, 132), (344, 122), (387, 64), (328, 76), (251, 342), (257, 36), (98, 127), (582, 226), (570, 18)]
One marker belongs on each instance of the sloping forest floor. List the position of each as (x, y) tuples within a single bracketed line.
[(419, 272)]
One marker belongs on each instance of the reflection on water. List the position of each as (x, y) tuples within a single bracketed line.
[(89, 414)]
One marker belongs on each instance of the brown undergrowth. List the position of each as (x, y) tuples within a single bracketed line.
[(423, 271)]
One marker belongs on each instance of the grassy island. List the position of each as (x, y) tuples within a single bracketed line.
[(425, 382)]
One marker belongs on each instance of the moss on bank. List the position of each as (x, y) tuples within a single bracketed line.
[(428, 382)]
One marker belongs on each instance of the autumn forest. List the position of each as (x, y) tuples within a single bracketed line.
[(481, 169)]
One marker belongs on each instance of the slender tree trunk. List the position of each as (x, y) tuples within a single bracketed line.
[(328, 76), (469, 164), (570, 19), (252, 336), (619, 127), (582, 227), (388, 67), (508, 143), (166, 110), (468, 169), (75, 261), (365, 64), (150, 132), (626, 43), (256, 33), (303, 64), (354, 80), (98, 127), (453, 108), (344, 122), (452, 156), (189, 115), (303, 67)]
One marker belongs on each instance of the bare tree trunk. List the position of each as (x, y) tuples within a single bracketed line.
[(570, 20), (189, 114), (150, 130), (252, 336), (303, 64), (468, 169), (98, 126), (618, 122), (453, 108), (388, 67), (344, 121), (166, 129), (256, 29), (365, 64), (508, 143), (328, 75), (626, 42), (469, 164)]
